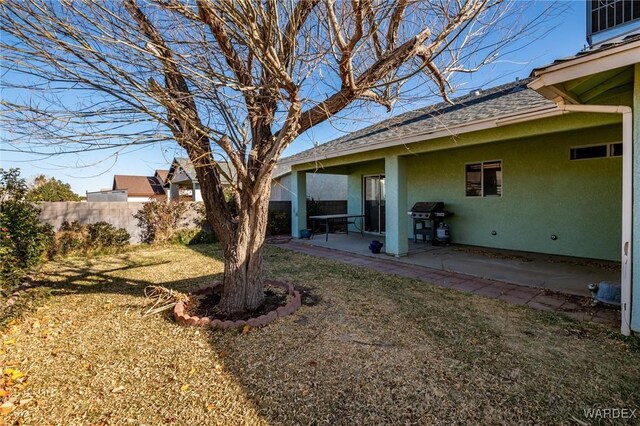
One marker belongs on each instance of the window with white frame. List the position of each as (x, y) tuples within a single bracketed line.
[(484, 179), (596, 151)]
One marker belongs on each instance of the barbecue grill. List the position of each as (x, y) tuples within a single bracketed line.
[(427, 216)]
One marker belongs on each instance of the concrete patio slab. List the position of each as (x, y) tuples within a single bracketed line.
[(556, 273), (572, 303)]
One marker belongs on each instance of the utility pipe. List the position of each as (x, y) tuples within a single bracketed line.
[(627, 199)]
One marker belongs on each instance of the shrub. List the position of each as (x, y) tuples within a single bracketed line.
[(190, 236), (24, 239), (105, 235), (71, 238), (10, 271), (74, 238), (159, 220), (278, 223)]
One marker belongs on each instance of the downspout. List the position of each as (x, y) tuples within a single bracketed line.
[(627, 194)]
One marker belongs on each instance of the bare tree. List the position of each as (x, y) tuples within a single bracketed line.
[(234, 81)]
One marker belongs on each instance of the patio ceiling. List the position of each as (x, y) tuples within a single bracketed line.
[(584, 90), (582, 78)]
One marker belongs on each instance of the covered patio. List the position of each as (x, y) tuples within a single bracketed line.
[(569, 275)]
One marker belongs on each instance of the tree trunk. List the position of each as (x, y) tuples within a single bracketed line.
[(243, 288)]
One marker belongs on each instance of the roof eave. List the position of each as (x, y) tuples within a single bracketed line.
[(473, 126), (616, 57)]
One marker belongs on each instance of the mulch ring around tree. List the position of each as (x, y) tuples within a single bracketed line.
[(281, 299)]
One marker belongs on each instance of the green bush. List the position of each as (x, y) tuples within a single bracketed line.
[(10, 271), (74, 238), (278, 223), (105, 235), (159, 220), (24, 240), (190, 236)]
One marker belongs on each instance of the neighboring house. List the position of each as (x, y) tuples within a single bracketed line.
[(141, 188), (320, 186), (550, 164), (181, 181)]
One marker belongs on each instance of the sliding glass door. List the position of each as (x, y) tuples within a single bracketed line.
[(373, 201)]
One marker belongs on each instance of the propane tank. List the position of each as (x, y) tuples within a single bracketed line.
[(442, 233)]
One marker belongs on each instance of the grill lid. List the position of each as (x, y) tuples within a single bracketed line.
[(427, 207)]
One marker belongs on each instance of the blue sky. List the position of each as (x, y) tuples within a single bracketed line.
[(94, 171)]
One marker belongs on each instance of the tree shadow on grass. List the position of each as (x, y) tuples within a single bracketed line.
[(380, 349), (106, 274)]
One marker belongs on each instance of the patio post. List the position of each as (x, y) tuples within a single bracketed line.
[(397, 234), (635, 209), (298, 202)]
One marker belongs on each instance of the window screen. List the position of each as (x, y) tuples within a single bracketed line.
[(484, 179)]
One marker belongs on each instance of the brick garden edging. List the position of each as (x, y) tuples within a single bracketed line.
[(185, 319)]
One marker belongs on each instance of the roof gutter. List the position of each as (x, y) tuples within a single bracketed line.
[(472, 126), (627, 194), (585, 65)]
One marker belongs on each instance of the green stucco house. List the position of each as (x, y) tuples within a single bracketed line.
[(550, 164)]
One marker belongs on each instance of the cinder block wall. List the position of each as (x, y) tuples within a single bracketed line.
[(118, 214)]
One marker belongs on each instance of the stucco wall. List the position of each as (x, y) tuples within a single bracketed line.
[(118, 214), (320, 187), (544, 193), (138, 199)]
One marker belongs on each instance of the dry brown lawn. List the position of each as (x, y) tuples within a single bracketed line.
[(367, 348)]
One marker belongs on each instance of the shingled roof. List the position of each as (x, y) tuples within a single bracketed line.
[(162, 175), (502, 101), (139, 186), (184, 165)]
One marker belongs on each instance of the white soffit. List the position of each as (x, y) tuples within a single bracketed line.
[(586, 65)]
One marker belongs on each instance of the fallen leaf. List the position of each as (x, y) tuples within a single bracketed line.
[(246, 329), (9, 342), (210, 407), (183, 388), (7, 408), (224, 354), (25, 401), (118, 389), (192, 372), (13, 373), (4, 393)]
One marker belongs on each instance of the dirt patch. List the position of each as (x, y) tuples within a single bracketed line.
[(309, 298), (274, 297), (604, 265), (493, 254)]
